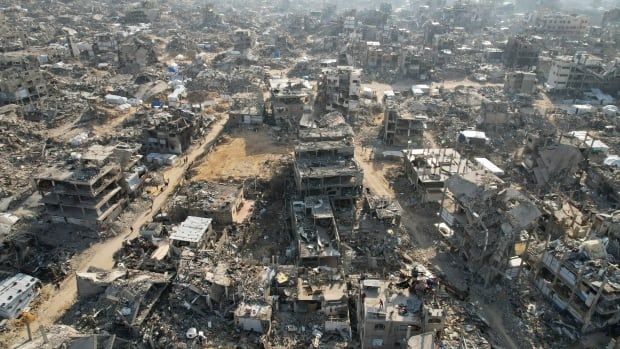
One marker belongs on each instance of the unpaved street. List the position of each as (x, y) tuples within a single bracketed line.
[(101, 254)]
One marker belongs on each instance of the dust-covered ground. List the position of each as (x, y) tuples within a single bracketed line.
[(244, 153)]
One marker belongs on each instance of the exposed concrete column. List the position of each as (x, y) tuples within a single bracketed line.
[(586, 320)]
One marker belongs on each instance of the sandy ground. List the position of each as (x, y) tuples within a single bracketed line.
[(101, 254), (243, 154)]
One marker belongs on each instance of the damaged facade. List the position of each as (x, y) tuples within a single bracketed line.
[(90, 192)]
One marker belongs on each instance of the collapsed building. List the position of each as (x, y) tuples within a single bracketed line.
[(127, 296), (136, 53), (580, 278), (549, 161), (21, 78), (491, 224), (243, 39), (315, 232), (219, 201)]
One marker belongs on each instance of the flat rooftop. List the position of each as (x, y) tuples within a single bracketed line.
[(12, 287), (191, 230), (399, 304), (312, 168)]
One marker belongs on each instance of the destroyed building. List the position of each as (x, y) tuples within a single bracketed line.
[(428, 169), (253, 317), (568, 25), (247, 108), (290, 99), (339, 88), (328, 168), (604, 178), (494, 112), (125, 296), (580, 278), (492, 224), (402, 127), (548, 161), (562, 218), (16, 293), (136, 53), (21, 84), (89, 191), (243, 39), (315, 232), (324, 291), (521, 52), (220, 201), (519, 82), (172, 132), (582, 72), (384, 209), (392, 311)]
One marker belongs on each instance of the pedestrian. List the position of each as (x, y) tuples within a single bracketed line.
[(380, 303)]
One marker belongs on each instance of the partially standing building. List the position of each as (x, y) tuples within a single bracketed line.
[(428, 169), (402, 127), (91, 193)]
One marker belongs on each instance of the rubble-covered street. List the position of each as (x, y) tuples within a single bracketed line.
[(296, 174)]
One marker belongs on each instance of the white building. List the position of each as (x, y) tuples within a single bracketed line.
[(253, 317), (560, 72), (562, 24), (16, 293)]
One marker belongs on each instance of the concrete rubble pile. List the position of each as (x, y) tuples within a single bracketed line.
[(309, 174)]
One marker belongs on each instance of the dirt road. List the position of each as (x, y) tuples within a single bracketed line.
[(101, 255)]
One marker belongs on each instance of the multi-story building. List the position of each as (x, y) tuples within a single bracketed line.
[(328, 168), (428, 169), (316, 232), (562, 24), (583, 72), (388, 315), (340, 88), (289, 99), (402, 127), (521, 52), (172, 132), (519, 82), (90, 194), (491, 223), (580, 278), (243, 39), (18, 84)]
